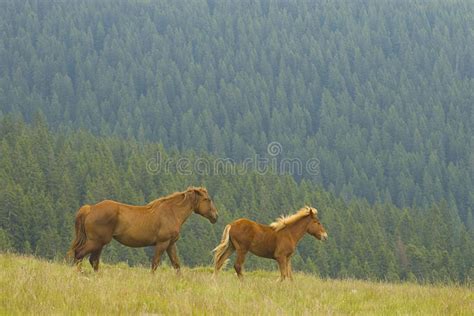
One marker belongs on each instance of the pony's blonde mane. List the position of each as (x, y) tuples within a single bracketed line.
[(286, 220), (153, 204)]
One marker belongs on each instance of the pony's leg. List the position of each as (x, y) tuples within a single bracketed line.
[(95, 258), (283, 265), (289, 272), (173, 255), (160, 247), (239, 262), (229, 251)]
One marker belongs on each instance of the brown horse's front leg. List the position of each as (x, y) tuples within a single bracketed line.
[(160, 247), (173, 255), (283, 265)]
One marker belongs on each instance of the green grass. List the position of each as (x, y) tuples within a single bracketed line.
[(32, 286)]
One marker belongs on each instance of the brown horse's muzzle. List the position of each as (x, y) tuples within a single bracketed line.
[(214, 215), (213, 212), (213, 219)]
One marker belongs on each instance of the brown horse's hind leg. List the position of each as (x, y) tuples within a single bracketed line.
[(94, 259), (239, 262), (78, 264), (89, 247)]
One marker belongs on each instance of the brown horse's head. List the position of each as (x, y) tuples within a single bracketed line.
[(204, 204), (315, 228)]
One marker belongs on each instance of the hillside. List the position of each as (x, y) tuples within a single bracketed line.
[(32, 286), (45, 177)]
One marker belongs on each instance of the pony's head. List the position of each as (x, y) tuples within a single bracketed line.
[(315, 228), (204, 205)]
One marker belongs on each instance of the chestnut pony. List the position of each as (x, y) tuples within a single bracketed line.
[(277, 241), (156, 224)]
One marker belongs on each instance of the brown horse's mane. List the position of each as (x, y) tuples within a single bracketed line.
[(286, 220), (153, 204)]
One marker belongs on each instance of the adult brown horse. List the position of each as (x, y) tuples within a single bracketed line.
[(156, 224), (277, 241)]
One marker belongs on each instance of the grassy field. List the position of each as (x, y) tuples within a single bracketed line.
[(33, 286)]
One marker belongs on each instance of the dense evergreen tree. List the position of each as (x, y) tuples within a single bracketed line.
[(379, 91)]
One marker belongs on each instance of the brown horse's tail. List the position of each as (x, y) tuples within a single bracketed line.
[(80, 238), (223, 250)]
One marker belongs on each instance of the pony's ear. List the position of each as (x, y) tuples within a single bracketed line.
[(313, 211), (193, 189), (201, 191)]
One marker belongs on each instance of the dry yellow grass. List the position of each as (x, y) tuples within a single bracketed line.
[(32, 286)]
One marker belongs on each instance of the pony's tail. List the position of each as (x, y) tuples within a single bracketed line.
[(80, 238), (221, 249)]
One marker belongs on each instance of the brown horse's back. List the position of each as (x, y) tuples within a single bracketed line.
[(130, 225), (257, 238)]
